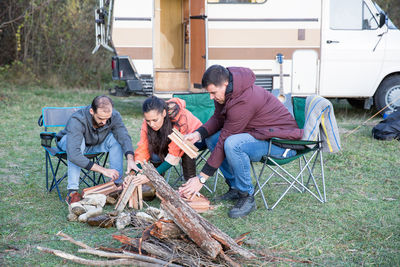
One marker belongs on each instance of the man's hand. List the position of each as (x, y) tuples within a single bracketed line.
[(193, 137), (131, 164), (190, 188), (111, 173)]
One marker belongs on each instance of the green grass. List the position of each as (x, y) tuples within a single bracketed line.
[(359, 225)]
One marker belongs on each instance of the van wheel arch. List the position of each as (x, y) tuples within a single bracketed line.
[(387, 92)]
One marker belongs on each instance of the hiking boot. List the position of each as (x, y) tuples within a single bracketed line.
[(73, 196), (244, 206), (232, 194)]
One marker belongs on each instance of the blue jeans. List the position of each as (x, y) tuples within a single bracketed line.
[(110, 144), (240, 149)]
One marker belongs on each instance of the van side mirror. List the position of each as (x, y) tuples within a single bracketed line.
[(382, 19)]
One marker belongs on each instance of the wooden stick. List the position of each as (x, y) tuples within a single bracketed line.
[(83, 261), (99, 189), (135, 199), (66, 237), (228, 259), (149, 247), (128, 179), (182, 144), (192, 154), (130, 202), (140, 196), (125, 196), (126, 255), (181, 136)]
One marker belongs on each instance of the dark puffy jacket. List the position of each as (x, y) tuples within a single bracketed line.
[(248, 109)]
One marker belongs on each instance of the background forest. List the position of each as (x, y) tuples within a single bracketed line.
[(49, 43)]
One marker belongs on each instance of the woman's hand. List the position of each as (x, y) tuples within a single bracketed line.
[(140, 179)]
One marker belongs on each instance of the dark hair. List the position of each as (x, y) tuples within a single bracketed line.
[(101, 101), (158, 140), (216, 74)]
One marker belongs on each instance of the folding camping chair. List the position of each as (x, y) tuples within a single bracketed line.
[(308, 154), (58, 117), (202, 107)]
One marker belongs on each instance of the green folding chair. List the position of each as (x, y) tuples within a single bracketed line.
[(308, 157), (57, 117), (201, 106)]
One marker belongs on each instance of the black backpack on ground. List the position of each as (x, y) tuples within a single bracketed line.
[(389, 128)]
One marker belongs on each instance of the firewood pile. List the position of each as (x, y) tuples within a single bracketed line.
[(175, 235)]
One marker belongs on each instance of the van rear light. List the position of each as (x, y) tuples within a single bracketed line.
[(121, 74), (113, 64)]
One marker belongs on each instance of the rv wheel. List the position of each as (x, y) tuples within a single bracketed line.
[(388, 94)]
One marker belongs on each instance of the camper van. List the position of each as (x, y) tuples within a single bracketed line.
[(335, 48)]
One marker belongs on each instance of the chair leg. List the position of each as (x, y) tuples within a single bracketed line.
[(295, 180), (47, 169), (323, 175), (258, 182), (311, 176)]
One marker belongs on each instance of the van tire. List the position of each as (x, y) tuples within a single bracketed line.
[(388, 91), (356, 103)]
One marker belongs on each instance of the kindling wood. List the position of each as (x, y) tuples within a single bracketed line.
[(187, 147), (128, 194), (105, 189)]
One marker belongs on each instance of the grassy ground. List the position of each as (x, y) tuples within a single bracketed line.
[(359, 225)]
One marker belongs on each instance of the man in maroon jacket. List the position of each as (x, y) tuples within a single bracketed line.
[(245, 117)]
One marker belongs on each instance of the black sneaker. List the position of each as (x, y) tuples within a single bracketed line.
[(244, 206), (232, 194)]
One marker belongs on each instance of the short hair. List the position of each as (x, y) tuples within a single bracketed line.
[(216, 74), (101, 101)]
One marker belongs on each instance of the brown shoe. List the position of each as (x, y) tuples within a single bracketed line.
[(73, 196)]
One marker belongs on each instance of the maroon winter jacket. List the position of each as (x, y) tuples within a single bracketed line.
[(248, 109)]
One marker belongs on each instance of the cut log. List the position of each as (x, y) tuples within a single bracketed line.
[(166, 229), (196, 227), (199, 203)]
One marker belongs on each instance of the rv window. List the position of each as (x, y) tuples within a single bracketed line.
[(369, 21), (346, 14), (236, 1)]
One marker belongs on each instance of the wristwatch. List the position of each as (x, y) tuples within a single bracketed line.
[(202, 179)]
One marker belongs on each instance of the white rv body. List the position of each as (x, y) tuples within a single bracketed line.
[(334, 48)]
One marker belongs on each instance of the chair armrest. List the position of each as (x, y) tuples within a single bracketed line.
[(294, 142), (46, 138)]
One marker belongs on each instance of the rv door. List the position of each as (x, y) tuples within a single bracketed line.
[(197, 42), (352, 48)]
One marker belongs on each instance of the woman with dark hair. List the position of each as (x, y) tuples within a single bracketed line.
[(160, 117)]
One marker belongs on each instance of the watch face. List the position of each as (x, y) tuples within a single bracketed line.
[(202, 179)]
